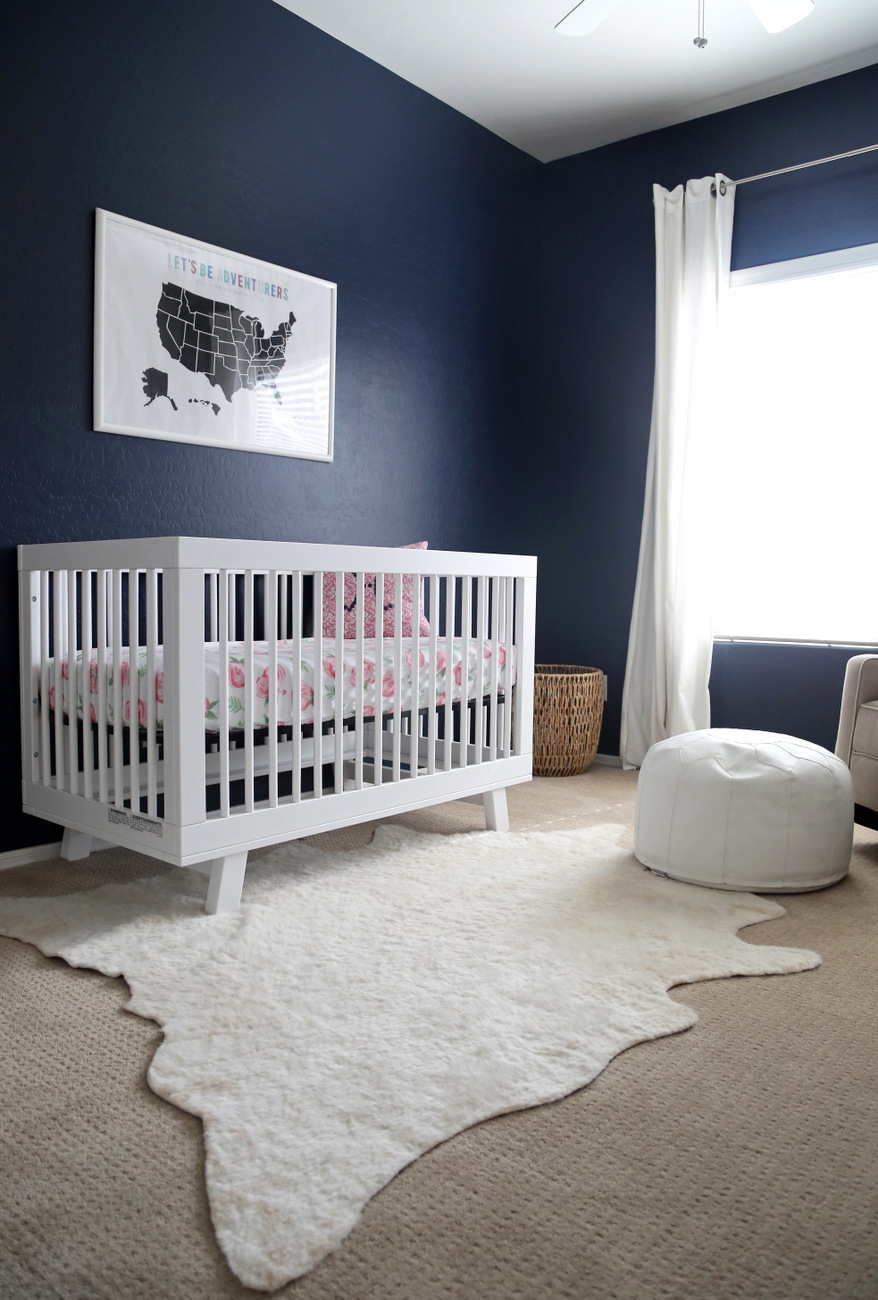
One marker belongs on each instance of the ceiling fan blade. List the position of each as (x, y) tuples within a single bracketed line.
[(585, 17), (777, 15)]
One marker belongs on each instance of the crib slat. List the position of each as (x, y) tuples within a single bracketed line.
[(494, 584), (466, 606), (73, 703), (378, 760), (102, 634), (118, 744), (415, 718), (134, 685), (478, 684), (87, 737), (450, 595), (152, 636), (397, 675), (318, 685), (359, 661), (508, 633), (59, 588), (45, 713), (213, 604), (434, 583), (271, 636), (283, 616), (225, 578), (28, 591), (338, 766), (249, 719), (296, 612)]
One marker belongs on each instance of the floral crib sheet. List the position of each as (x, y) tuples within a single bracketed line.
[(319, 683)]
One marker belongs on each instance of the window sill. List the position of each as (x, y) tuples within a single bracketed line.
[(795, 641)]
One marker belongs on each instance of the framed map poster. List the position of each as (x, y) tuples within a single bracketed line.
[(194, 343)]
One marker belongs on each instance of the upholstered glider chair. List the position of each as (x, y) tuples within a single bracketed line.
[(857, 742)]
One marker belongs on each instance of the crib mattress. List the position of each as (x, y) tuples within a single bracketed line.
[(470, 673)]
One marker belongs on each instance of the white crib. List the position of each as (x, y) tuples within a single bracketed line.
[(134, 629)]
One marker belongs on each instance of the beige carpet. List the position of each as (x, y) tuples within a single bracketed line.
[(739, 1159)]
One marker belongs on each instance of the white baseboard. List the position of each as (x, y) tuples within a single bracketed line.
[(25, 857), (607, 760)]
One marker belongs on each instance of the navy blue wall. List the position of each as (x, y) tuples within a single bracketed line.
[(585, 473), (239, 124), (495, 328)]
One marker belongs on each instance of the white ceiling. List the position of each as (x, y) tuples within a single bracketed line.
[(500, 62)]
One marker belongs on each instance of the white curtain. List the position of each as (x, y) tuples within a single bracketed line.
[(671, 638)]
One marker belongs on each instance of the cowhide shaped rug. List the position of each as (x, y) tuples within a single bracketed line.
[(363, 1005)]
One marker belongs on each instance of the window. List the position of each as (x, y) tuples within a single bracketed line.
[(797, 453)]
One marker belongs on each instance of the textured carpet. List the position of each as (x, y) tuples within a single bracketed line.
[(362, 1006), (735, 1161)]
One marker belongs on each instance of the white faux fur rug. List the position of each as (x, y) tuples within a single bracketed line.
[(364, 1005)]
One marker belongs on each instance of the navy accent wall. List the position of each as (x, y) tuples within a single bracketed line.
[(239, 124), (594, 394), (495, 329)]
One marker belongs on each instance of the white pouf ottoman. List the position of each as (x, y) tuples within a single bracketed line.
[(744, 810)]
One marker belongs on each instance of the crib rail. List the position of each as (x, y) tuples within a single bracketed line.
[(120, 735)]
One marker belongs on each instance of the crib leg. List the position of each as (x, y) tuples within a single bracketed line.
[(496, 812), (226, 883), (76, 845)]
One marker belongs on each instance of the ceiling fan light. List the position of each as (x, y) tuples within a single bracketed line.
[(777, 15), (585, 17)]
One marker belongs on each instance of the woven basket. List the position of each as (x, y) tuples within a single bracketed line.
[(568, 710)]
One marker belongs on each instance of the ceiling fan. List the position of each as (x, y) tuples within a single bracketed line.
[(775, 15)]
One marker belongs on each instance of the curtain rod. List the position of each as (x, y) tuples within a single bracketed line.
[(817, 162)]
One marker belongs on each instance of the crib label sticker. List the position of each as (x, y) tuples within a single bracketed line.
[(135, 821)]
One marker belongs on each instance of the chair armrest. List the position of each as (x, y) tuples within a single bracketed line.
[(860, 686)]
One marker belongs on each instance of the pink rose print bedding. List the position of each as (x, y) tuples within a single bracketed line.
[(463, 675)]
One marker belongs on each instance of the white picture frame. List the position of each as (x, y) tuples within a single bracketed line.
[(195, 343)]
